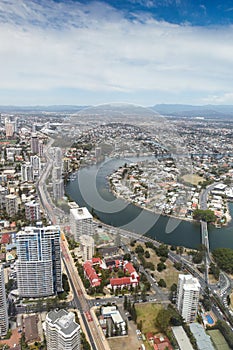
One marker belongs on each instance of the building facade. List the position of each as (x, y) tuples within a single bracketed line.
[(32, 211), (81, 222), (87, 246), (34, 144), (39, 261), (62, 332), (188, 292), (3, 305), (26, 172), (12, 206), (58, 189)]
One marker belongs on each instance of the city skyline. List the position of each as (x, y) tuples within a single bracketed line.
[(136, 51)]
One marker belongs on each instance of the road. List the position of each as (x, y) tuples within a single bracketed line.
[(96, 339)]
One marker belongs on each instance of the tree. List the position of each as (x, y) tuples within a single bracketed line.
[(127, 257), (173, 287), (224, 259), (161, 266), (147, 254), (204, 215), (162, 283), (125, 302), (177, 265), (163, 319), (139, 249)]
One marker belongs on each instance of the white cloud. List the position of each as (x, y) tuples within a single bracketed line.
[(96, 48), (226, 98)]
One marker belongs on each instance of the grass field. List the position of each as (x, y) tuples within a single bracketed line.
[(170, 275), (218, 340), (148, 313), (192, 179)]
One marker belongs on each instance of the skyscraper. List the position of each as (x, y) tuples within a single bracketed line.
[(39, 261), (188, 291), (81, 222), (3, 305), (62, 332), (34, 143)]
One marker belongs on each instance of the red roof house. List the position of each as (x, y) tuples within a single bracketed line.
[(5, 238)]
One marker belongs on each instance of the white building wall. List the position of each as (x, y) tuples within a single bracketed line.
[(188, 291), (39, 261), (3, 305)]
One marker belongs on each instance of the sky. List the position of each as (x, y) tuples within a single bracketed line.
[(147, 52)]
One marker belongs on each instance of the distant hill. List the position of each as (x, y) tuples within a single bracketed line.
[(208, 111), (176, 110), (40, 109)]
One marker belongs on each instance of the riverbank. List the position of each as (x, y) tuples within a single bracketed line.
[(157, 212), (116, 212)]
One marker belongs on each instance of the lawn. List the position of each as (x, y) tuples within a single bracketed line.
[(170, 275), (218, 340), (148, 313), (192, 179)]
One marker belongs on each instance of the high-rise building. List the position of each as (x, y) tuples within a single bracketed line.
[(41, 148), (87, 245), (26, 172), (81, 222), (12, 206), (34, 143), (58, 189), (56, 173), (35, 163), (3, 305), (62, 332), (39, 261), (9, 129), (32, 211), (57, 156), (188, 291), (3, 192)]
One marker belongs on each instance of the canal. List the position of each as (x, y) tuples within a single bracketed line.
[(90, 188)]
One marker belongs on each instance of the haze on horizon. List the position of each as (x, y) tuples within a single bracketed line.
[(138, 51)]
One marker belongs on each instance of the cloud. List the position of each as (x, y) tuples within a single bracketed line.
[(93, 47), (226, 98)]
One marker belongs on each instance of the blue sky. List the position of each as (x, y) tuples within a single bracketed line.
[(137, 51)]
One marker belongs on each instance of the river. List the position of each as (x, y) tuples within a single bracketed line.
[(90, 188)]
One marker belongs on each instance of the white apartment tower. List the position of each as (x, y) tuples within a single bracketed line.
[(62, 332), (58, 189), (3, 305), (12, 206), (87, 246), (81, 222), (9, 129), (36, 166), (188, 291), (32, 211), (26, 172), (39, 261)]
